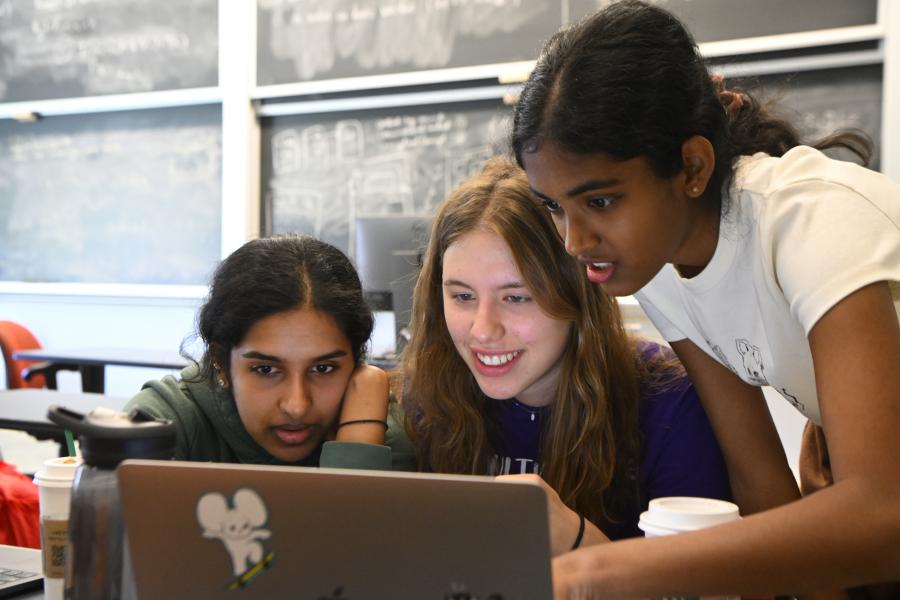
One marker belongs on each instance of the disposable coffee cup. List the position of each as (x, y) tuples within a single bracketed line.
[(54, 483), (679, 514)]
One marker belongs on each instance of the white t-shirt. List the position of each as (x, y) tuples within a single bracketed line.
[(802, 232)]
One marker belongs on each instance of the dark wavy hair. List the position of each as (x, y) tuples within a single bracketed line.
[(629, 82), (271, 275)]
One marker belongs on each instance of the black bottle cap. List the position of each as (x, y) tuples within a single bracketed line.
[(107, 437)]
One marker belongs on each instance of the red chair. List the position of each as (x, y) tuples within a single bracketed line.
[(26, 373), (20, 523)]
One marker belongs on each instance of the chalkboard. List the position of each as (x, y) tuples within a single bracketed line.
[(306, 40), (53, 49), (820, 102), (320, 172), (311, 40), (718, 20), (126, 197)]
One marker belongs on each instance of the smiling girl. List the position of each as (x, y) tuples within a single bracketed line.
[(285, 328), (518, 365)]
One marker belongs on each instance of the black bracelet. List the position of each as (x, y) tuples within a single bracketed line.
[(360, 421), (580, 531)]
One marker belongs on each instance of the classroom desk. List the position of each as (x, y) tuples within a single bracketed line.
[(25, 409), (92, 361)]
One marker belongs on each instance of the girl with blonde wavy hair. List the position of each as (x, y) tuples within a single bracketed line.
[(517, 364)]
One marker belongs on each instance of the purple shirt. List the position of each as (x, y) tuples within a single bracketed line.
[(680, 455)]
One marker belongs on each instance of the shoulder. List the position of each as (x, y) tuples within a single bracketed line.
[(163, 398), (825, 227), (806, 177), (761, 172), (660, 371), (178, 401), (668, 396)]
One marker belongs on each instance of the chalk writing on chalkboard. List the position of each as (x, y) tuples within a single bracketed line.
[(717, 20), (126, 197), (302, 40), (72, 48), (321, 172)]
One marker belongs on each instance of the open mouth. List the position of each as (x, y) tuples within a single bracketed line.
[(293, 435), (496, 360), (600, 272)]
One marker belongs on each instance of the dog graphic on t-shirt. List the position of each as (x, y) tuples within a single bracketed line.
[(752, 358)]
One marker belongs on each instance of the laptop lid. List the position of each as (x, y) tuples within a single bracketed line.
[(207, 530), (20, 570)]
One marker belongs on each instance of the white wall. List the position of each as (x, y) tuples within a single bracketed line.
[(88, 322)]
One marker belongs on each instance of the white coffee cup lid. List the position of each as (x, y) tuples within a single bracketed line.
[(58, 470), (683, 513)]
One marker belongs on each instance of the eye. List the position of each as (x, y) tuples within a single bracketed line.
[(550, 205), (264, 370), (323, 368), (517, 299), (462, 296), (600, 202)]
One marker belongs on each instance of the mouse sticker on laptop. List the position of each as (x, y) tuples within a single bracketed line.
[(240, 525)]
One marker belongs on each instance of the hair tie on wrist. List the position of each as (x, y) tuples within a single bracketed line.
[(361, 421), (580, 531)]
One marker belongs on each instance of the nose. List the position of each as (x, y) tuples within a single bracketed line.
[(487, 325), (296, 400), (576, 235)]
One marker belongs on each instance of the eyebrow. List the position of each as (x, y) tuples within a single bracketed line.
[(506, 286), (592, 184), (253, 354)]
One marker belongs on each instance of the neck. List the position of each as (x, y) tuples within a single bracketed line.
[(542, 392), (699, 245)]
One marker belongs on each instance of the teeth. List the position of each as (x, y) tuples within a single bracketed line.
[(600, 265), (495, 360)]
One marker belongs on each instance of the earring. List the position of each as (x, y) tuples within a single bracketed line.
[(695, 190)]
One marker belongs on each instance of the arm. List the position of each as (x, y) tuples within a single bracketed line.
[(397, 453), (366, 398), (757, 467), (845, 535)]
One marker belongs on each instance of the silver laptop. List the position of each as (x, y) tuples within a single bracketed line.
[(20, 570), (205, 530)]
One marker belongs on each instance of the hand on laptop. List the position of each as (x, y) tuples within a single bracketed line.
[(564, 522), (363, 416)]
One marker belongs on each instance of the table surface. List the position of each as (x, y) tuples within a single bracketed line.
[(26, 409), (128, 357)]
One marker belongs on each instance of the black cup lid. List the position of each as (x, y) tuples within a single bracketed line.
[(108, 437)]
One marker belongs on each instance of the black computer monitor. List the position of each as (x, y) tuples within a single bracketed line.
[(388, 252)]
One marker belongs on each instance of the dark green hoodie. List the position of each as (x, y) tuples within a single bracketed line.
[(210, 429)]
